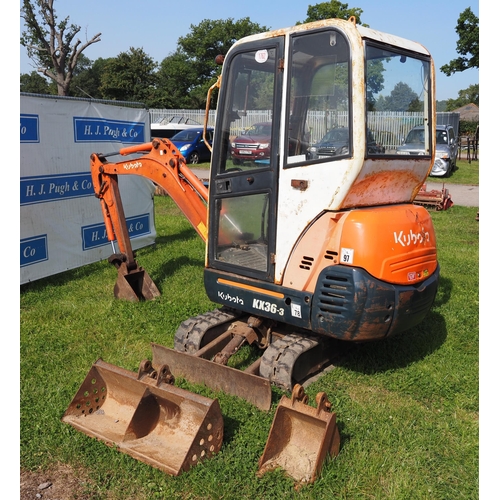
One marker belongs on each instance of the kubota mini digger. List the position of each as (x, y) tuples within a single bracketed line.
[(308, 241)]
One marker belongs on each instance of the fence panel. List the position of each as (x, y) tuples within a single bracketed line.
[(389, 128)]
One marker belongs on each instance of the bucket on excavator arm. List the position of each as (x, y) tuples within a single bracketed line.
[(133, 284), (301, 437), (147, 417)]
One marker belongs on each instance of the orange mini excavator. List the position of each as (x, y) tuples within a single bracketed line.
[(313, 240)]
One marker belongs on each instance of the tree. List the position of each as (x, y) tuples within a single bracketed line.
[(332, 10), (87, 77), (441, 106), (34, 83), (51, 44), (374, 81), (466, 96), (186, 75), (176, 77), (401, 98), (467, 44), (209, 39), (129, 77)]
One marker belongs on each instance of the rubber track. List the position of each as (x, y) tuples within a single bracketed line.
[(279, 359), (189, 336)]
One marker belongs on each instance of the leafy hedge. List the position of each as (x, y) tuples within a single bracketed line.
[(467, 127)]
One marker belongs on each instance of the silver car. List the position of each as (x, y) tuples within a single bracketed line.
[(446, 148)]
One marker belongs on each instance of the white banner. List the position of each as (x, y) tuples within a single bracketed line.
[(62, 225)]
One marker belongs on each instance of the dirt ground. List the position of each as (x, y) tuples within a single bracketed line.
[(60, 483)]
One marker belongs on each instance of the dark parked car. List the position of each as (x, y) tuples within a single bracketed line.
[(336, 143), (446, 148), (252, 145), (191, 144)]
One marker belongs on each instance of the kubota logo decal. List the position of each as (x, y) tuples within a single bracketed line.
[(129, 166), (230, 298), (411, 238)]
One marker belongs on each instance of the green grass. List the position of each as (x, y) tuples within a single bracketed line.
[(407, 407), (205, 166)]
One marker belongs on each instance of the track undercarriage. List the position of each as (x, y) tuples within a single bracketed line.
[(289, 356)]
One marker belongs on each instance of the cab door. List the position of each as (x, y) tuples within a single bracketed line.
[(244, 173)]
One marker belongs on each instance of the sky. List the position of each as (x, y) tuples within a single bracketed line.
[(156, 26)]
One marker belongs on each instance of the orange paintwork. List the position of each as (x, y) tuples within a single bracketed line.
[(163, 164), (395, 244)]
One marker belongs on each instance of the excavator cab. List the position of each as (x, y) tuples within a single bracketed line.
[(312, 237), (324, 193)]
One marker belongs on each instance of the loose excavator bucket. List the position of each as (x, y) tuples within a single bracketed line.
[(147, 417), (301, 437)]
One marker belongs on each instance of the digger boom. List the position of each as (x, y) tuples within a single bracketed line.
[(163, 164)]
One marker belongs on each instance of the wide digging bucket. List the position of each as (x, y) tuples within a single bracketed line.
[(301, 437), (146, 417), (134, 285)]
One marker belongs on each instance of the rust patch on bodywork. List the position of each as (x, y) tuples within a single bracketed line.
[(384, 187)]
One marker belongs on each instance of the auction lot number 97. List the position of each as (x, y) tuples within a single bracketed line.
[(347, 255)]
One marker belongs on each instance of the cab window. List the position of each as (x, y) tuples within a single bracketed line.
[(319, 125)]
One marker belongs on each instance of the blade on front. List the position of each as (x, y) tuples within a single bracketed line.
[(161, 425), (256, 390)]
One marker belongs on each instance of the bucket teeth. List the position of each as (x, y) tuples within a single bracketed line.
[(147, 417)]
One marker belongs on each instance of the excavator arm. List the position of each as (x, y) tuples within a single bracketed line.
[(162, 163)]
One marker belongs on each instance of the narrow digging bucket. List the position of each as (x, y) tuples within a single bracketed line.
[(301, 437), (135, 285), (146, 417)]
